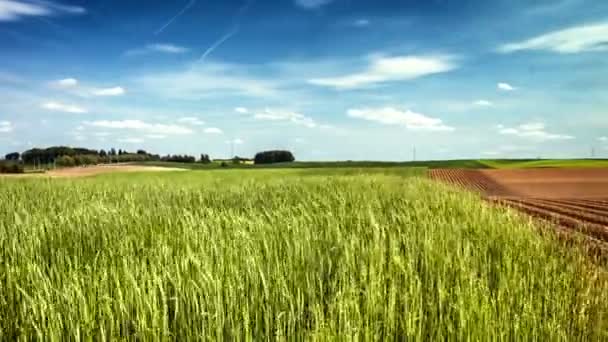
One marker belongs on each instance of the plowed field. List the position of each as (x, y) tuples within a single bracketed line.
[(575, 199)]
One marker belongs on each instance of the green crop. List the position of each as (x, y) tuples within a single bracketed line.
[(284, 254)]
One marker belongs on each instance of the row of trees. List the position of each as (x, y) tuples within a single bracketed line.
[(179, 158), (76, 156)]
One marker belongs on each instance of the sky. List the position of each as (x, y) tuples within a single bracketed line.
[(326, 79)]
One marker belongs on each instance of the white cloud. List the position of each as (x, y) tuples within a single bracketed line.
[(236, 141), (155, 136), (138, 125), (190, 120), (392, 116), (505, 86), (603, 139), (389, 69), (158, 47), (102, 134), (213, 130), (62, 107), (483, 103), (12, 10), (241, 110), (131, 140), (207, 80), (285, 115), (533, 131), (577, 39), (312, 4), (115, 91), (65, 83), (6, 127), (361, 22)]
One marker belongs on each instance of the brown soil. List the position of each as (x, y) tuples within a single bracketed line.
[(95, 170), (574, 199)]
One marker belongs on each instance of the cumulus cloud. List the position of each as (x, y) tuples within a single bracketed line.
[(533, 131), (158, 48), (389, 69), (393, 116), (138, 125), (241, 110), (6, 127), (312, 4), (505, 86), (115, 91), (191, 120), (285, 115), (483, 103), (591, 37), (65, 83), (13, 10), (603, 139), (213, 130), (62, 107)]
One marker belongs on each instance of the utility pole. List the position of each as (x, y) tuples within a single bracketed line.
[(592, 152), (414, 154)]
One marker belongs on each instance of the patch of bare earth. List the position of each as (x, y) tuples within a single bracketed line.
[(573, 199), (101, 169), (85, 171)]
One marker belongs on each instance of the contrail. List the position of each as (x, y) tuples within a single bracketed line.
[(219, 42), (187, 7), (235, 29)]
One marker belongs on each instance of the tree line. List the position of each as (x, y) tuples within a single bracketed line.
[(77, 156)]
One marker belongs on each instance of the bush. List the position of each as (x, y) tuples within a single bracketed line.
[(65, 161), (269, 157), (10, 167), (179, 158)]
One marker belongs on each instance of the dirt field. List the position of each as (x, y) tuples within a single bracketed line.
[(95, 170), (575, 199)]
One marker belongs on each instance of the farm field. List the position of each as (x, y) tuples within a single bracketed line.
[(363, 253), (574, 198)]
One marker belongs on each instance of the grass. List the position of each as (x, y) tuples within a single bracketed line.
[(368, 254), (331, 165), (432, 164)]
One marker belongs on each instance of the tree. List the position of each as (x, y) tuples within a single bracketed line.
[(205, 159), (276, 156), (112, 151), (66, 161), (142, 152), (12, 156), (103, 153)]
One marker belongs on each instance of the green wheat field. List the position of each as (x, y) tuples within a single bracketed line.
[(284, 254)]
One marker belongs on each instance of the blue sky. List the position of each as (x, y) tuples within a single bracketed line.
[(328, 79)]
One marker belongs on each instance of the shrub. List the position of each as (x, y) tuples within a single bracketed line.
[(6, 167), (269, 157)]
